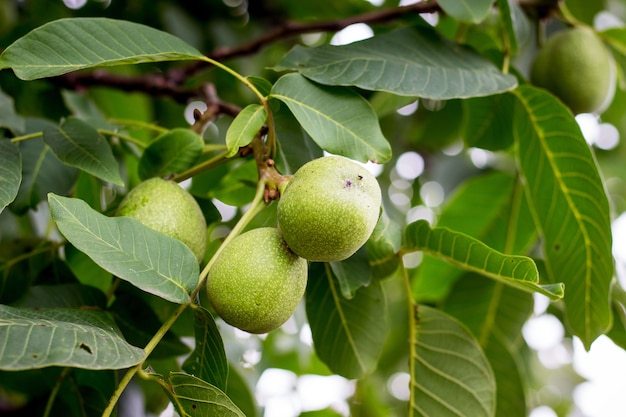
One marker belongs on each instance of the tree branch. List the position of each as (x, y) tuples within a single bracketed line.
[(170, 83)]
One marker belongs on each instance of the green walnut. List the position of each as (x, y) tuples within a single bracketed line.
[(256, 282), (575, 66), (164, 206), (329, 209)]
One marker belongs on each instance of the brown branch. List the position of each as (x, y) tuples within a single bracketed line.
[(290, 28)]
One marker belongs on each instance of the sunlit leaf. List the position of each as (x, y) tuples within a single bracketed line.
[(339, 120), (10, 172), (487, 207), (348, 335), (473, 255), (156, 263), (208, 360), (450, 374), (171, 153), (88, 339), (245, 126), (467, 11), (68, 45), (408, 61), (78, 144), (194, 397), (570, 207)]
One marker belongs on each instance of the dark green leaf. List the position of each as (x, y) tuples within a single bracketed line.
[(467, 11), (245, 126), (42, 173), (170, 153), (239, 392), (473, 255), (570, 207), (450, 375), (156, 263), (339, 120), (62, 296), (10, 172), (383, 247), (194, 397), (68, 45), (407, 61), (78, 144), (295, 146), (238, 186), (63, 337), (8, 117), (138, 323), (488, 122), (352, 273), (208, 360), (348, 335), (21, 261)]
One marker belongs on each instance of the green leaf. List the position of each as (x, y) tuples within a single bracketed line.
[(495, 313), (68, 45), (170, 153), (42, 173), (348, 335), (139, 323), (78, 144), (352, 273), (339, 120), (239, 392), (487, 120), (194, 397), (245, 126), (8, 117), (62, 296), (490, 208), (467, 11), (156, 263), (616, 37), (450, 375), (236, 187), (408, 61), (208, 360), (473, 255), (570, 207), (62, 337), (295, 146), (10, 172), (383, 247)]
